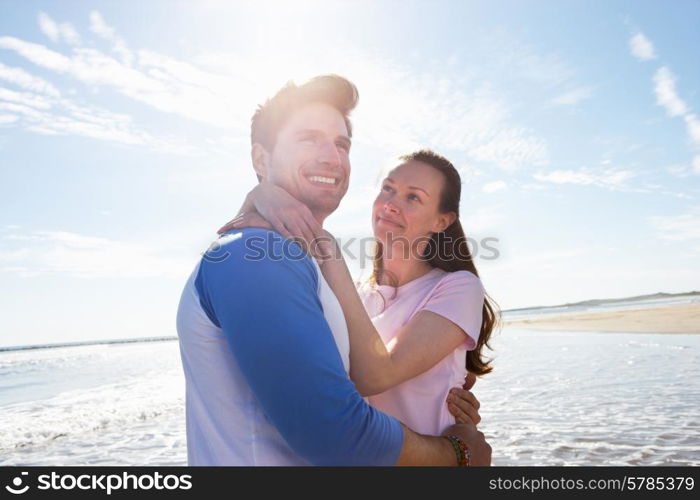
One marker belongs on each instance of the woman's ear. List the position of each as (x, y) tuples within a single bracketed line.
[(261, 160), (444, 221)]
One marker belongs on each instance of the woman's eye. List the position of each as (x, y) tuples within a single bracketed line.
[(386, 188), (413, 197)]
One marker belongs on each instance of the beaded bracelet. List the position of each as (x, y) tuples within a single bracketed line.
[(461, 449)]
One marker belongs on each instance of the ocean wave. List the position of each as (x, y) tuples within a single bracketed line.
[(105, 409)]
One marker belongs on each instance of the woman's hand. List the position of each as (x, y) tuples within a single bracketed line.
[(250, 219), (282, 212), (462, 403)]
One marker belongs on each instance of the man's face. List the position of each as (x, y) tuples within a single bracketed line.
[(311, 158)]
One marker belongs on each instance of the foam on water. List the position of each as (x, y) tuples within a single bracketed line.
[(592, 399), (575, 399), (132, 414)]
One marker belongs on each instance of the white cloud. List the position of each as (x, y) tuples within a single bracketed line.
[(56, 31), (665, 90), (684, 227), (680, 171), (24, 98), (52, 116), (87, 65), (642, 48), (696, 164), (574, 96), (168, 87), (520, 261), (606, 178), (38, 54), (76, 255), (49, 27), (99, 27), (21, 110), (21, 78), (6, 119), (482, 222), (693, 127), (69, 34), (511, 56), (41, 110), (666, 96), (510, 147), (472, 118), (535, 186), (493, 187)]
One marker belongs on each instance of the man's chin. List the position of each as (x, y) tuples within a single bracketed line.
[(323, 208), (322, 202)]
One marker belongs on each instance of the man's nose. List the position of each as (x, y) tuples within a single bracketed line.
[(328, 154)]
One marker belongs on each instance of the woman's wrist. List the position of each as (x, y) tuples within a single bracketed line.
[(332, 265), (256, 195)]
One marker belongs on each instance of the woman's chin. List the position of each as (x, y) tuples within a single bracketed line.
[(385, 234)]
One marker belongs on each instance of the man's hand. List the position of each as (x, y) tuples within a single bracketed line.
[(479, 449)]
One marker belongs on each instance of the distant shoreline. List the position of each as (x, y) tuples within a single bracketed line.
[(86, 343), (673, 318), (604, 302), (595, 316)]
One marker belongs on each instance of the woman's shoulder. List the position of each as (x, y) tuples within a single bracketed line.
[(460, 282), (461, 276)]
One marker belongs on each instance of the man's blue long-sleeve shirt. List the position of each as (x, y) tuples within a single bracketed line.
[(261, 363)]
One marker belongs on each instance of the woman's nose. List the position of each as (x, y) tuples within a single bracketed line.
[(389, 206)]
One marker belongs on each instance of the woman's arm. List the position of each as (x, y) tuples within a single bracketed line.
[(419, 345), (373, 368), (287, 215)]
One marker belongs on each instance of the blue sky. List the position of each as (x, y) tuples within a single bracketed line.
[(124, 142)]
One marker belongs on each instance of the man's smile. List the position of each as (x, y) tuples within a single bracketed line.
[(322, 180)]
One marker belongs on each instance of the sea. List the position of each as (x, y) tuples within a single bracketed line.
[(553, 398)]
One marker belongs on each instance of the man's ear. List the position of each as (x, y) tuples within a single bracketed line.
[(261, 160), (444, 221)]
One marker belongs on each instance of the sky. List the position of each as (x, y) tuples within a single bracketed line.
[(124, 142)]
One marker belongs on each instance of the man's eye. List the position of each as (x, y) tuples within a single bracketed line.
[(344, 146)]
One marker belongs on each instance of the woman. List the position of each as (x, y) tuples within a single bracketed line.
[(424, 310)]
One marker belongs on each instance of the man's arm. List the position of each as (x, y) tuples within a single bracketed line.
[(432, 450), (269, 310)]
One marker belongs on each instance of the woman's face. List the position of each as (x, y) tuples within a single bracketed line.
[(407, 208)]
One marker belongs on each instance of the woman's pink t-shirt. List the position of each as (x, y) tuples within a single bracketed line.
[(458, 296)]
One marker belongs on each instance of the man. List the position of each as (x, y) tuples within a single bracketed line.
[(263, 340)]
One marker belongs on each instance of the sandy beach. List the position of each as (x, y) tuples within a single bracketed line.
[(677, 318)]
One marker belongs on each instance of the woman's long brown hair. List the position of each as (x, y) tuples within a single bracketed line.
[(449, 251)]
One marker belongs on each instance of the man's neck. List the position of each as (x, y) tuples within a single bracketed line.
[(320, 217)]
